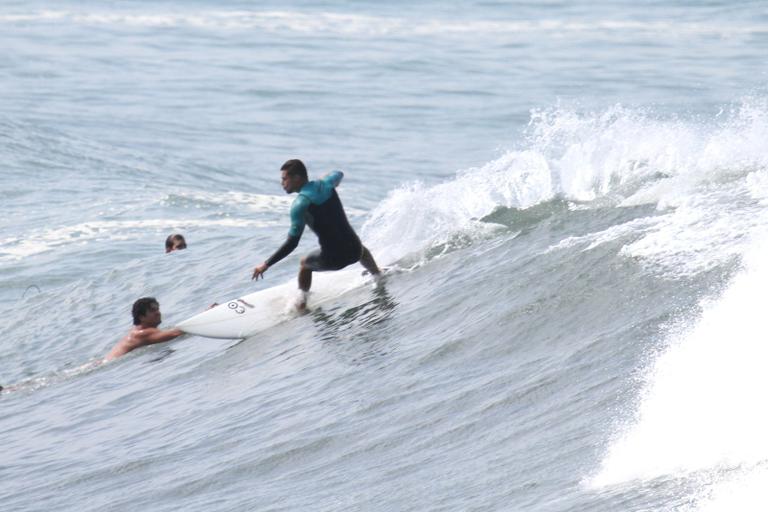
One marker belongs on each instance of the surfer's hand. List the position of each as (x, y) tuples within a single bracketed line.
[(259, 271)]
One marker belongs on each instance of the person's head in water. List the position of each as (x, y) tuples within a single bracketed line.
[(175, 242), (146, 311), (293, 175)]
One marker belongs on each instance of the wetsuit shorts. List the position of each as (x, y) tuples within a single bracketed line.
[(319, 260)]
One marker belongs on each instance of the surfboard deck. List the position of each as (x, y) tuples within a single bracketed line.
[(249, 314)]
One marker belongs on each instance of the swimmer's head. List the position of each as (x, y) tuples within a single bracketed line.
[(175, 242), (146, 309)]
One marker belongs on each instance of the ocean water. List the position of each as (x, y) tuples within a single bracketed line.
[(576, 194)]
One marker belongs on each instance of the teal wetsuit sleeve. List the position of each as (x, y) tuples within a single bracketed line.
[(298, 210), (319, 191), (298, 215), (333, 178)]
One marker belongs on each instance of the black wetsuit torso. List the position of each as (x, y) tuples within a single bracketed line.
[(318, 206)]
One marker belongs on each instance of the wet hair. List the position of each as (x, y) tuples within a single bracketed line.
[(141, 308), (295, 167), (175, 238)]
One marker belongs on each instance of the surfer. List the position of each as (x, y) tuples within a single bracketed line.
[(318, 206), (146, 318), (175, 242)]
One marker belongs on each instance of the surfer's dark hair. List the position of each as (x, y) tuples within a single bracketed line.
[(141, 307), (175, 238), (295, 167)]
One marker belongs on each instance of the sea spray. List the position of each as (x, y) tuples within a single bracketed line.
[(701, 407)]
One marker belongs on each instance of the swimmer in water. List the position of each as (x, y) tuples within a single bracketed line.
[(146, 319)]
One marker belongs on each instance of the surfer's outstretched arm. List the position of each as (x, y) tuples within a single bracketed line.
[(298, 222), (287, 248)]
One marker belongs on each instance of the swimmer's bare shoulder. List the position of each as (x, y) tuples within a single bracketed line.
[(125, 345), (145, 331), (140, 336)]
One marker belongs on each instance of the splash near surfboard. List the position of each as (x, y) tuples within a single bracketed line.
[(249, 314)]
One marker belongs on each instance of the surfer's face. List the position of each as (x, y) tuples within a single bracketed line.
[(153, 316), (290, 182)]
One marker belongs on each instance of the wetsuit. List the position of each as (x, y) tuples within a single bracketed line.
[(319, 207)]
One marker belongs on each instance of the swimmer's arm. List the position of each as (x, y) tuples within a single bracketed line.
[(118, 350), (151, 336), (140, 338)]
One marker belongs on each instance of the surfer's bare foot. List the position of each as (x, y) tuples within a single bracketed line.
[(379, 280), (378, 274), (301, 301)]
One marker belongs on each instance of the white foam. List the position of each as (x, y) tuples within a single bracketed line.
[(369, 25), (611, 234), (710, 178), (619, 150), (29, 244), (702, 407), (258, 203), (746, 491), (254, 202), (415, 216), (707, 179), (698, 236)]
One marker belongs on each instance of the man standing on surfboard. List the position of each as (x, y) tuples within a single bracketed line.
[(318, 206)]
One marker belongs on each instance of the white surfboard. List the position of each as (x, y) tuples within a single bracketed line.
[(247, 315)]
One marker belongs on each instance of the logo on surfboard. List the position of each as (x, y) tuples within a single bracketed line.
[(237, 308)]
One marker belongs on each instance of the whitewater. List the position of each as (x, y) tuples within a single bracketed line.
[(574, 197)]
